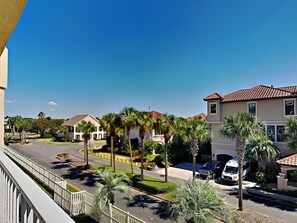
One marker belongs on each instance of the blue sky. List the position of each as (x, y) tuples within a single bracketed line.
[(75, 57)]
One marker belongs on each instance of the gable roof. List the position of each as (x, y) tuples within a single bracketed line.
[(288, 161), (76, 119), (203, 116), (256, 93), (155, 115)]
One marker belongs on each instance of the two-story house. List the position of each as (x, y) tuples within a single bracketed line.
[(74, 134), (272, 105)]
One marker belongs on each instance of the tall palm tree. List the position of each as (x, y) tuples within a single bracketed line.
[(239, 128), (195, 131), (261, 149), (168, 125), (291, 133), (198, 201), (86, 128), (129, 121), (105, 193), (111, 123), (145, 123)]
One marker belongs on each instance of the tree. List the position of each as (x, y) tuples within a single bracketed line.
[(261, 149), (12, 123), (168, 126), (86, 128), (198, 201), (105, 193), (145, 123), (41, 115), (112, 123), (239, 128), (129, 121), (291, 133), (195, 131)]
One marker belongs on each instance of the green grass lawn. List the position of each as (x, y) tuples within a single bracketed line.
[(72, 188), (49, 142)]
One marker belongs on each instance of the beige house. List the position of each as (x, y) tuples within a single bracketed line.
[(74, 134), (270, 104)]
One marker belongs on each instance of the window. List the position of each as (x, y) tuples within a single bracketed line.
[(271, 132), (213, 108), (289, 107), (100, 129), (252, 108), (280, 133)]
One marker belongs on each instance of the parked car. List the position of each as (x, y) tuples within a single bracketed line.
[(211, 169), (230, 172)]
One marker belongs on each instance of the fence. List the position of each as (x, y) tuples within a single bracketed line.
[(74, 203)]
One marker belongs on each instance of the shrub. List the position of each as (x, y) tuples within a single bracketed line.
[(76, 140), (150, 158), (272, 171), (47, 135), (260, 177), (292, 175), (152, 185)]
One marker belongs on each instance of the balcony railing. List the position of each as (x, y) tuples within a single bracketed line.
[(21, 200)]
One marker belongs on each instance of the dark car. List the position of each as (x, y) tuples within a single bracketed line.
[(211, 169)]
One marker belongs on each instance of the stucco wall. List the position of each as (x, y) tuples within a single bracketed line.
[(3, 85)]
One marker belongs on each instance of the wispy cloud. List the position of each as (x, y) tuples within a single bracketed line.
[(51, 103), (10, 101), (52, 109)]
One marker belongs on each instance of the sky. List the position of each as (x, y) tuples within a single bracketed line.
[(97, 56)]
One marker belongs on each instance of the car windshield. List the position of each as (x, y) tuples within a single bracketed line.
[(231, 169), (209, 165)]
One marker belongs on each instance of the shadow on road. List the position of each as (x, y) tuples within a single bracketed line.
[(162, 210), (141, 201)]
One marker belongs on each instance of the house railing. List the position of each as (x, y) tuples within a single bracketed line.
[(21, 200), (74, 203)]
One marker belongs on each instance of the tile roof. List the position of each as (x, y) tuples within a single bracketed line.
[(289, 160), (201, 115), (213, 96), (155, 115), (75, 119), (257, 93)]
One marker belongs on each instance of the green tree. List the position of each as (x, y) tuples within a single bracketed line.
[(145, 123), (239, 128), (86, 128), (291, 133), (195, 131), (41, 115), (112, 123), (261, 149), (129, 121), (12, 123), (105, 193), (198, 201), (168, 125)]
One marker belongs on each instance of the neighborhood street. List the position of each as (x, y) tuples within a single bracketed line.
[(147, 208)]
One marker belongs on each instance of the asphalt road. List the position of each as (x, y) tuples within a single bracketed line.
[(147, 208)]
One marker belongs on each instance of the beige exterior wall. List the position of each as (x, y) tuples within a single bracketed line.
[(213, 117), (3, 85)]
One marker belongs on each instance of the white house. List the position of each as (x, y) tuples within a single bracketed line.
[(74, 134)]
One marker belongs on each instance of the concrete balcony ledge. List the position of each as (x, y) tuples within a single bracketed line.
[(14, 184)]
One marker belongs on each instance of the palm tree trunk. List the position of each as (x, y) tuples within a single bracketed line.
[(87, 153), (142, 155), (166, 161), (240, 194), (130, 148), (111, 150), (194, 166), (85, 150)]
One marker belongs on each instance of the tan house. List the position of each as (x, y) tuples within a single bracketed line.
[(270, 104), (74, 134)]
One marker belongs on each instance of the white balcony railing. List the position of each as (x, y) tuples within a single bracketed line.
[(21, 200)]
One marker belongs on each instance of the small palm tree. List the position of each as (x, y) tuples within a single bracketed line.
[(145, 123), (198, 201), (168, 126), (105, 193), (261, 149), (196, 131), (129, 121), (239, 128), (291, 133), (86, 128)]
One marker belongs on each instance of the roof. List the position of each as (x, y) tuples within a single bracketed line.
[(256, 93), (203, 116), (288, 161), (76, 119), (155, 115)]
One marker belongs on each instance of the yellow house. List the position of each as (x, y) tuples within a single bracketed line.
[(270, 104)]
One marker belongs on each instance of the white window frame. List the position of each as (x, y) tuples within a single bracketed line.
[(252, 102), (213, 103), (284, 106)]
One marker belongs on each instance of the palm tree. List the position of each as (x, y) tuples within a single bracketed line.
[(239, 128), (12, 123), (111, 123), (145, 123), (291, 133), (105, 193), (168, 126), (198, 201), (129, 121), (261, 149), (195, 131), (86, 128)]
